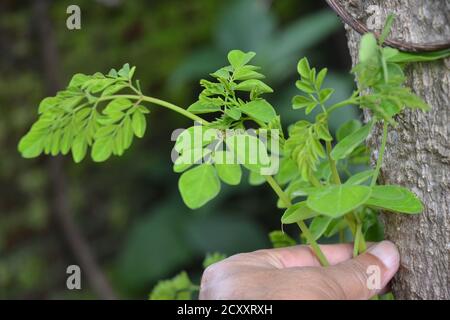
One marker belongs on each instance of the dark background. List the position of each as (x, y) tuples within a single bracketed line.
[(123, 221)]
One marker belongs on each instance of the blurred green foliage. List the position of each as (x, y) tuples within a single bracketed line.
[(129, 208)]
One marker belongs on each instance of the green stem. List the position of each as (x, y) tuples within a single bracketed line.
[(351, 223), (314, 181), (309, 237), (341, 236), (356, 241), (315, 247), (334, 171), (351, 101), (360, 243), (159, 102), (280, 193), (380, 154)]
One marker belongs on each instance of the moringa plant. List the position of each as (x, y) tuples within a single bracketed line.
[(306, 166)]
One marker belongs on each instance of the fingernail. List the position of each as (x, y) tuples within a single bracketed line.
[(387, 252)]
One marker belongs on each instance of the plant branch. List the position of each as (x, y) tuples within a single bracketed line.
[(334, 171), (303, 227), (380, 154), (159, 102)]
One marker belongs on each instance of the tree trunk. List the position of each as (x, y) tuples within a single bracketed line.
[(418, 149)]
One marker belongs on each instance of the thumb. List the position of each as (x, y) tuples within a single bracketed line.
[(365, 275)]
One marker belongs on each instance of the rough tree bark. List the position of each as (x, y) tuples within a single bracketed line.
[(418, 150)]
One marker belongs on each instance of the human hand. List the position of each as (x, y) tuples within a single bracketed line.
[(295, 273)]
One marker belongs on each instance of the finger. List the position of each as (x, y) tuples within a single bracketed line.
[(303, 256), (367, 274)]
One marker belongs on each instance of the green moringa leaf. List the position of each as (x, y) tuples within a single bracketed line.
[(320, 77), (279, 239), (117, 105), (237, 58), (139, 124), (190, 157), (325, 94), (359, 177), (246, 73), (255, 179), (212, 258), (299, 102), (395, 198), (260, 110), (78, 79), (200, 107), (350, 142), (233, 113), (302, 191), (303, 68), (249, 151), (31, 145), (199, 185), (114, 88), (228, 172), (347, 128), (287, 172), (335, 201), (297, 212), (368, 47), (79, 149), (319, 225), (102, 149), (179, 287), (253, 84), (408, 57), (334, 227)]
